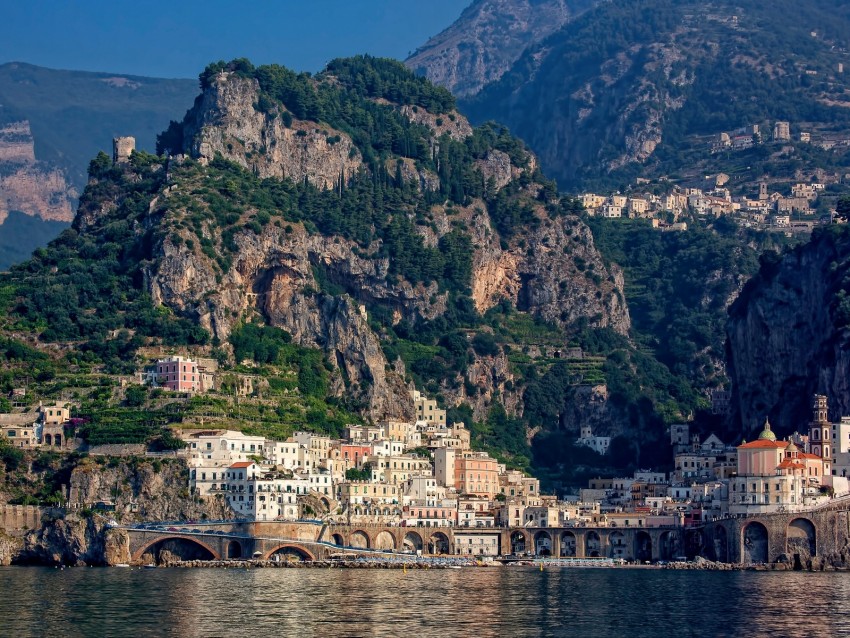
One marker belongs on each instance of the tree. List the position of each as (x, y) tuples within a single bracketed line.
[(135, 395)]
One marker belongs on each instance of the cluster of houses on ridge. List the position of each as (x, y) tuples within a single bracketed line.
[(768, 210)]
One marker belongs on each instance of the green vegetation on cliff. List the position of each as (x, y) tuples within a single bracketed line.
[(88, 299)]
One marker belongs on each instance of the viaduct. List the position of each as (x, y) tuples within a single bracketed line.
[(799, 538)]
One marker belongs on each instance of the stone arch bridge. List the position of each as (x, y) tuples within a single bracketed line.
[(797, 538), (311, 541)]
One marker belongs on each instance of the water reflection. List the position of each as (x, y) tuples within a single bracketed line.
[(473, 602)]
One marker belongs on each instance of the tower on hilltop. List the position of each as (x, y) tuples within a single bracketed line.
[(122, 148)]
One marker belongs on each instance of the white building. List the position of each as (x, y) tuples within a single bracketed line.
[(598, 444)]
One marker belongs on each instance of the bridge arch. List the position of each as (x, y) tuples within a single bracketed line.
[(412, 542), (439, 543), (568, 544), (754, 543), (592, 545), (518, 542), (643, 546), (284, 550), (384, 540), (200, 548), (337, 539), (801, 540), (234, 549), (668, 545), (359, 539), (543, 543), (617, 544)]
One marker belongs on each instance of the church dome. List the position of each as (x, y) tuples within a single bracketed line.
[(767, 434)]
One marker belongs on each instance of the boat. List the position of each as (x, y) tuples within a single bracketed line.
[(121, 565), (150, 566)]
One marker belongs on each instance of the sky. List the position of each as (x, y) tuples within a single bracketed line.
[(178, 38)]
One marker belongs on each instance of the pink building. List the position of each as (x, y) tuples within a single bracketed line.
[(178, 374)]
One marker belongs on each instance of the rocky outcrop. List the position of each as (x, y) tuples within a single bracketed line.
[(143, 490), (9, 548), (334, 324), (487, 380), (275, 273), (554, 272), (788, 336), (72, 540), (26, 185), (226, 122), (65, 540), (452, 124), (488, 38)]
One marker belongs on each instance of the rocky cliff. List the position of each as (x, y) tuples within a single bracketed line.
[(488, 37), (142, 490), (74, 540), (139, 489), (788, 335), (553, 270), (26, 185), (226, 121)]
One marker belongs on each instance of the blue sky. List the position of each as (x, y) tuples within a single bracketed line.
[(179, 38)]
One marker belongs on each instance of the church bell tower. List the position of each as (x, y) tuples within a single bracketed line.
[(820, 433)]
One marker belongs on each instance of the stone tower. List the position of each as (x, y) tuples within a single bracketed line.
[(763, 191), (782, 131), (820, 433), (122, 148)]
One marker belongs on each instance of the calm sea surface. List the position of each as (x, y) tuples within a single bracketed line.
[(513, 601)]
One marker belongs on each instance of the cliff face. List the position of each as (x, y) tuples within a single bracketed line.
[(487, 39), (226, 121), (553, 271), (788, 336), (72, 540), (26, 185)]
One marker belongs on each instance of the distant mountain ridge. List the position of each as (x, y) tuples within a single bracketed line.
[(486, 40), (52, 123), (636, 87)]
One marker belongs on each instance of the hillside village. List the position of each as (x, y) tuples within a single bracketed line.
[(790, 213), (425, 473), (789, 207)]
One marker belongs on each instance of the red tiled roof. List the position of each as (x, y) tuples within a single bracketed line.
[(764, 443), (806, 455), (242, 464), (790, 463)]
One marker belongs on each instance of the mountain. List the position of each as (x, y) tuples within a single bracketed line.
[(53, 122), (341, 238), (486, 40), (642, 88), (789, 334)]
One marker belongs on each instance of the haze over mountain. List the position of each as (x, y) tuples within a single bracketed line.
[(640, 87), (52, 123), (488, 38)]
